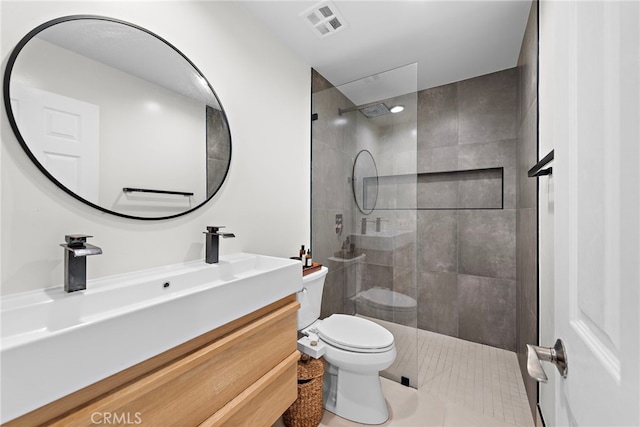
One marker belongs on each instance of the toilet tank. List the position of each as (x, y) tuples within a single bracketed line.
[(310, 298)]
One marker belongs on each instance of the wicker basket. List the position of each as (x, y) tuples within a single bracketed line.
[(306, 411)]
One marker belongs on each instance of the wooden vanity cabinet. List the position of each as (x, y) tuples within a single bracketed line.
[(240, 374)]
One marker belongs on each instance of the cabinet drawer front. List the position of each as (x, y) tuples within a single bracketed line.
[(263, 402), (192, 388)]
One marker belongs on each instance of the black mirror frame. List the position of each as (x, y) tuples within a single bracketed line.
[(353, 182), (9, 111)]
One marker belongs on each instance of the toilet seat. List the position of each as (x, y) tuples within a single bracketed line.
[(354, 334)]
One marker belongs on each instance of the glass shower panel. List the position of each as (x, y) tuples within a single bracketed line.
[(331, 201), (381, 245)]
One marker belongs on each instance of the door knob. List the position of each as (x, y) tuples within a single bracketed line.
[(556, 355)]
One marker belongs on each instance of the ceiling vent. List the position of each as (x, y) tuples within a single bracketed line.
[(324, 19)]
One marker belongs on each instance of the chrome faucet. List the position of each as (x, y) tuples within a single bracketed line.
[(363, 225), (379, 222), (212, 243), (75, 261)]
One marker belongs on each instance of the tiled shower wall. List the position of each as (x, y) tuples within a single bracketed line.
[(332, 158), (336, 140), (391, 264), (526, 216), (467, 257)]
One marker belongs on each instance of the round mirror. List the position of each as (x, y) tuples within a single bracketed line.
[(117, 117), (364, 181)]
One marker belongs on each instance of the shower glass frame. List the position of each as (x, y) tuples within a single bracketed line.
[(371, 274)]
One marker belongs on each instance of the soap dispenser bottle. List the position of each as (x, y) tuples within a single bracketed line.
[(307, 260)]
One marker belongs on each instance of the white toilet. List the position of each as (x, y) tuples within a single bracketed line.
[(355, 349)]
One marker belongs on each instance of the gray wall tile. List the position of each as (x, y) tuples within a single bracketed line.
[(440, 159), (318, 82), (333, 293), (528, 64), (379, 257), (437, 241), (490, 155), (487, 107), (527, 290), (396, 191), (527, 154), (215, 172), (487, 243), (325, 240), (217, 135), (329, 177), (526, 223), (439, 191), (404, 281), (405, 256), (377, 275), (526, 244), (326, 104), (438, 302), (487, 310), (438, 117), (480, 189)]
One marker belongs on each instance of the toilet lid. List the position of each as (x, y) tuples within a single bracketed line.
[(355, 334)]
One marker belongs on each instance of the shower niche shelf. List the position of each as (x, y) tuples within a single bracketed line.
[(448, 190)]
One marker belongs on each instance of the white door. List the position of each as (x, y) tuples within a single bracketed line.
[(589, 106), (62, 133)]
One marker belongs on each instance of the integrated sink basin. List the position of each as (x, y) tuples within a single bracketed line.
[(383, 240), (55, 343)]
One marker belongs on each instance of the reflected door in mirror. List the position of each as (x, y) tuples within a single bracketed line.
[(156, 122), (63, 135)]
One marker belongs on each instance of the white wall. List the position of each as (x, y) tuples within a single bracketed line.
[(265, 91)]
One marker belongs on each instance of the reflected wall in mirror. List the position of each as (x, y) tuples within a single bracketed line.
[(100, 105), (364, 181)]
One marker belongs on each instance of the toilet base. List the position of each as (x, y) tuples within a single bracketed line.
[(354, 396)]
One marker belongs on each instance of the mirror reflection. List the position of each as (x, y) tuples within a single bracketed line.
[(101, 105), (364, 181)]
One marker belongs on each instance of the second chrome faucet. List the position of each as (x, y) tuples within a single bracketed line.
[(75, 261), (364, 221), (212, 243)]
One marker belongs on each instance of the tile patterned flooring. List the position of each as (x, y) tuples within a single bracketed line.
[(478, 377), (460, 384)]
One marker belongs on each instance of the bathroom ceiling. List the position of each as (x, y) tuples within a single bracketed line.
[(449, 40)]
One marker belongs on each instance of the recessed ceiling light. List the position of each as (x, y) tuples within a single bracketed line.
[(324, 19), (397, 108)]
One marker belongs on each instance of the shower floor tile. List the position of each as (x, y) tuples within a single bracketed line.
[(460, 384), (471, 376)]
